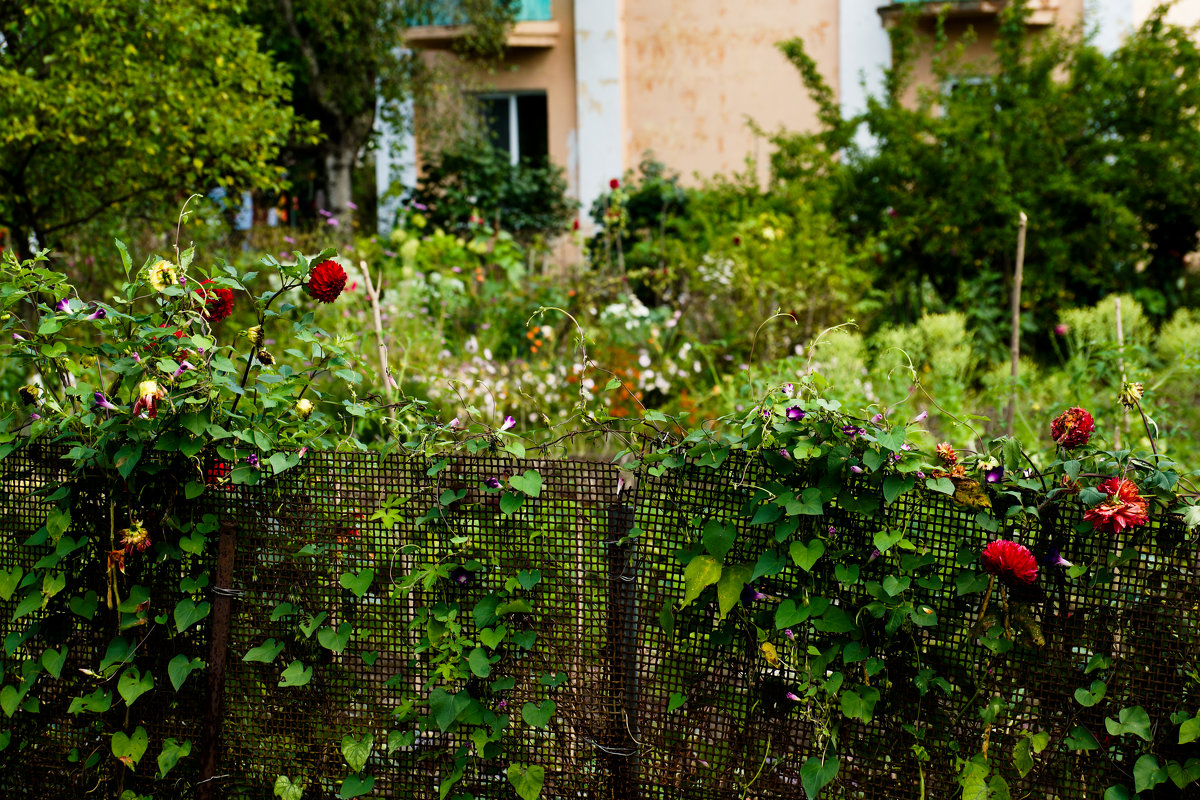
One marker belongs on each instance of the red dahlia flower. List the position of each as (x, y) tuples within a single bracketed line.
[(1012, 563), (1072, 428), (218, 303), (1124, 508), (326, 281)]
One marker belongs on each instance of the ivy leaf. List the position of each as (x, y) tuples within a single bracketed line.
[(172, 751), (527, 781), (296, 674), (357, 751), (815, 775), (530, 483), (700, 573)]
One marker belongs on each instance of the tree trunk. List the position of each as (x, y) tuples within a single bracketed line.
[(339, 163)]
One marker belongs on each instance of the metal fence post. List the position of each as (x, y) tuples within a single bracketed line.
[(223, 594), (621, 753)]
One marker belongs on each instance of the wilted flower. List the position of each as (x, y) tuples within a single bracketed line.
[(1131, 393), (1072, 428), (878, 418), (162, 274), (1124, 508), (149, 393), (102, 402), (789, 633), (795, 698), (304, 408), (252, 459), (264, 357), (1012, 563), (326, 281), (1061, 329), (255, 335), (30, 393), (947, 455), (795, 413), (135, 537)]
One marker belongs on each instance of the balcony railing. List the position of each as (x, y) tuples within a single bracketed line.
[(1041, 12), (449, 13)]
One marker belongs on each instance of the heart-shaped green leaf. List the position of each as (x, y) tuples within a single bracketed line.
[(885, 539), (530, 483), (717, 538), (335, 640), (133, 684), (97, 702), (700, 573), (286, 790), (734, 578), (1147, 773), (527, 781), (309, 625), (188, 613), (265, 653), (789, 613), (180, 667), (85, 606), (806, 555), (357, 584), (1088, 698), (356, 786), (510, 502), (53, 660), (491, 637), (172, 751), (479, 664), (815, 775), (538, 715), (529, 578), (9, 578), (296, 674), (446, 707), (130, 749), (10, 698), (357, 751)]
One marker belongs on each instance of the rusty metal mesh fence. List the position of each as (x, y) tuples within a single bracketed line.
[(640, 712)]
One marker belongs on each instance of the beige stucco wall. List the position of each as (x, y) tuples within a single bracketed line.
[(980, 41), (1183, 12), (696, 69)]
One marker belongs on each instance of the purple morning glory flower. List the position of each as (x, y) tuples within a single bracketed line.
[(35, 416), (99, 313), (994, 475), (795, 413), (921, 417), (252, 459), (831, 530), (788, 633), (749, 595), (793, 697), (920, 474), (787, 389), (1054, 559), (784, 453), (509, 422), (492, 483), (184, 367), (852, 430), (102, 402), (63, 305), (766, 413), (461, 576), (502, 704), (856, 469), (874, 554)]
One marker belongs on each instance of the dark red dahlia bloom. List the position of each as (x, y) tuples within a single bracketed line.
[(217, 472), (1072, 428), (326, 281), (218, 303), (1012, 563), (1124, 508)]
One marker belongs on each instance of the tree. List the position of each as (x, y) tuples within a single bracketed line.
[(1095, 148), (347, 60), (106, 103)]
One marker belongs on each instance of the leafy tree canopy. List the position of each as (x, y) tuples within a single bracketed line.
[(111, 102), (1097, 149)]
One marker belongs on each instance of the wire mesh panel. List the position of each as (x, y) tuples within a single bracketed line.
[(350, 579)]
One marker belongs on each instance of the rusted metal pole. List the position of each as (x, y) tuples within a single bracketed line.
[(1015, 342), (218, 650), (621, 747)]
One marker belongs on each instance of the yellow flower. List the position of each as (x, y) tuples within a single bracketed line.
[(162, 274), (304, 408)]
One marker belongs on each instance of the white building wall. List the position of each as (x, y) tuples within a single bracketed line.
[(599, 90), (864, 53)]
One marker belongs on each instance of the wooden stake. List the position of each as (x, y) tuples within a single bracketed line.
[(1121, 361), (1015, 341)]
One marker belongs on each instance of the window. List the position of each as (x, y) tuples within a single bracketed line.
[(517, 123)]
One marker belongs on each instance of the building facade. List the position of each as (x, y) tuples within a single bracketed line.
[(596, 84)]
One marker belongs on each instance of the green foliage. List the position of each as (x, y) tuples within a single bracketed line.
[(1049, 126), (476, 181), (123, 109)]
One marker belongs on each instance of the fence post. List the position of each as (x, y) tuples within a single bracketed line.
[(223, 594), (621, 753)]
